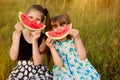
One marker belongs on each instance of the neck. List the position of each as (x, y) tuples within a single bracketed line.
[(28, 32), (28, 35)]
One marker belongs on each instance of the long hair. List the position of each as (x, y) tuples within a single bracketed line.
[(44, 16), (61, 19), (44, 13)]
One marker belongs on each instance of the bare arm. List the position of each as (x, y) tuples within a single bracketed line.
[(15, 42), (56, 58), (78, 44), (37, 55)]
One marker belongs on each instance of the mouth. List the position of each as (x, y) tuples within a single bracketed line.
[(59, 31)]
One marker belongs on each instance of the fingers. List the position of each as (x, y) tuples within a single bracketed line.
[(36, 34), (18, 26), (49, 42), (70, 31), (74, 32)]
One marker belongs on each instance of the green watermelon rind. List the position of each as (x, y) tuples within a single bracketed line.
[(28, 26), (57, 38)]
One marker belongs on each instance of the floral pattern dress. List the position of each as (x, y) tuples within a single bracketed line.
[(26, 70), (73, 68)]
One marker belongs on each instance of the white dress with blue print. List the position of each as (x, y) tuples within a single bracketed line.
[(73, 68)]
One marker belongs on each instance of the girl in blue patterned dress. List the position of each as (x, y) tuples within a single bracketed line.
[(69, 54)]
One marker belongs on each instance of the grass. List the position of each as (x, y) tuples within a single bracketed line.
[(97, 20)]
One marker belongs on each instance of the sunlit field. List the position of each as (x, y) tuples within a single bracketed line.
[(97, 20)]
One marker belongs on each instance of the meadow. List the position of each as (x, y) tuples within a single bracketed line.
[(97, 20)]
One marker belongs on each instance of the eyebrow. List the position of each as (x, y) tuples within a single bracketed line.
[(38, 18), (61, 23), (54, 24)]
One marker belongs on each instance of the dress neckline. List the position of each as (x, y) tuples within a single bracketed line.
[(25, 39)]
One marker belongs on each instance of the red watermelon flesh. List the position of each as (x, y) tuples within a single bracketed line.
[(30, 24), (59, 33)]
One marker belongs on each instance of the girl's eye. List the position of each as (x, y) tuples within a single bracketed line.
[(38, 19), (30, 17), (62, 25), (54, 27)]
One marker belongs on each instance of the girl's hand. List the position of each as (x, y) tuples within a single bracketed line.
[(36, 34), (18, 27), (74, 32), (49, 42)]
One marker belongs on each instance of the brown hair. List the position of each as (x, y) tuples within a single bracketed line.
[(45, 13), (61, 19)]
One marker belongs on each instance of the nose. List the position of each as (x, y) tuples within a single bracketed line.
[(34, 20), (58, 29)]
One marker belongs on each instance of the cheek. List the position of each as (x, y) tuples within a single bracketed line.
[(38, 22), (54, 29)]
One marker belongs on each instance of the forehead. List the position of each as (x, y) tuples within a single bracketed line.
[(33, 12), (55, 23), (58, 20)]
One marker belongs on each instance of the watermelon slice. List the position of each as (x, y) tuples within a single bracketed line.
[(31, 25), (59, 33)]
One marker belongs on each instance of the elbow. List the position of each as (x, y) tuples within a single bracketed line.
[(12, 55), (83, 57), (37, 60), (13, 58), (60, 65), (37, 63)]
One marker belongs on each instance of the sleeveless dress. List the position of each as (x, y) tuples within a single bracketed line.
[(73, 68), (25, 69)]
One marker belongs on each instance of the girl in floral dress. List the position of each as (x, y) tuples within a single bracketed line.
[(69, 54), (28, 48)]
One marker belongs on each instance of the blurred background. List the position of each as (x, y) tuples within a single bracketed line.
[(97, 20)]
